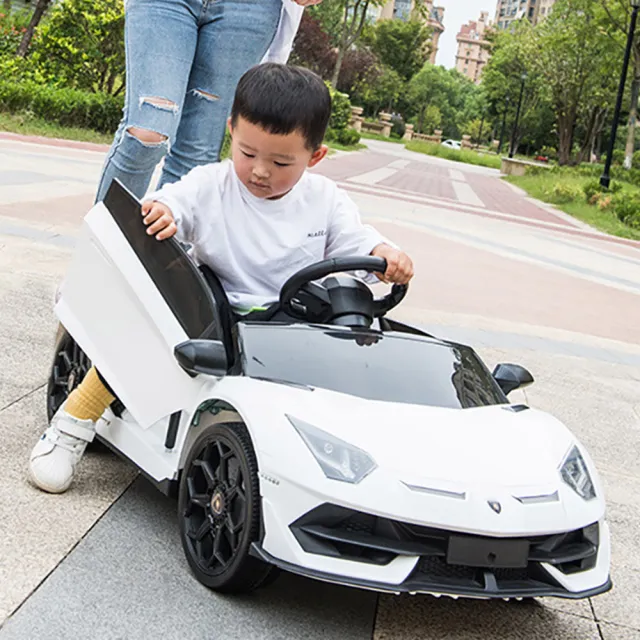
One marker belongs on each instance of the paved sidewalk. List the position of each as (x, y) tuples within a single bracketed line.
[(494, 269)]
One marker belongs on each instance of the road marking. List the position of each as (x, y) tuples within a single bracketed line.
[(454, 174), (371, 177), (465, 194), (399, 164)]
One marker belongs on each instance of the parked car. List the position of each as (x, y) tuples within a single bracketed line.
[(452, 144)]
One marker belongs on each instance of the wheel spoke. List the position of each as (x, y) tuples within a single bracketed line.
[(222, 471), (208, 472), (233, 528), (217, 549), (201, 531), (67, 360)]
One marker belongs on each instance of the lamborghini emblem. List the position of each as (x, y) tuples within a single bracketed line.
[(495, 505)]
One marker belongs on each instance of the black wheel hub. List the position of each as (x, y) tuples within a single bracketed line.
[(215, 511), (69, 368)]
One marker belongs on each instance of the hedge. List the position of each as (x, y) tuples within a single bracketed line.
[(66, 107)]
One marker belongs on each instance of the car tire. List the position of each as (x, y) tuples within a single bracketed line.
[(219, 510), (69, 367)]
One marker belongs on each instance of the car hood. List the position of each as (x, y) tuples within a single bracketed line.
[(478, 446)]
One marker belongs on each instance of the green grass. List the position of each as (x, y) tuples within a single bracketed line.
[(540, 186), (341, 147), (458, 155), (28, 125), (376, 136)]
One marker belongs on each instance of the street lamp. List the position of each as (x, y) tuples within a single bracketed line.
[(605, 179), (515, 124), (504, 122)]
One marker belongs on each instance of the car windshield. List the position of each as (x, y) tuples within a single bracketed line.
[(391, 368)]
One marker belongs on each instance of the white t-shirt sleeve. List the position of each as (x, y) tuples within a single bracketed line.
[(346, 234), (186, 198)]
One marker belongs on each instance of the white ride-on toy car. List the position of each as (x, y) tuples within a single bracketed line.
[(346, 447)]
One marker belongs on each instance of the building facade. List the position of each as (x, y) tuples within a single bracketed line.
[(472, 54), (402, 10), (543, 9), (509, 10)]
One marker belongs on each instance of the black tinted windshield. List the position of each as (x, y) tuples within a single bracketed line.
[(391, 368)]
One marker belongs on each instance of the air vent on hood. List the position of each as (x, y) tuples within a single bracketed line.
[(550, 497), (516, 408), (458, 495)]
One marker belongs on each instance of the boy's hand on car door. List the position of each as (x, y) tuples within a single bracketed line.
[(160, 219)]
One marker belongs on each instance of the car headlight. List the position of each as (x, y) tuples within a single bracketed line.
[(338, 459), (575, 473)]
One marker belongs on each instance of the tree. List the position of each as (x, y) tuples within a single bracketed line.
[(448, 90), (514, 53), (403, 46), (381, 91), (82, 45), (38, 12), (617, 15), (360, 66), (353, 21), (576, 58), (312, 47)]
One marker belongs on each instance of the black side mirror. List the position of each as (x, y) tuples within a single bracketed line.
[(511, 377), (202, 356)]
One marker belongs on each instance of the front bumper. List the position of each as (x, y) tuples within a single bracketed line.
[(344, 546)]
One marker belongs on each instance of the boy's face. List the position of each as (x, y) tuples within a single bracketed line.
[(270, 164)]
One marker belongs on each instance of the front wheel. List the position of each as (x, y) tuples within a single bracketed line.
[(219, 510)]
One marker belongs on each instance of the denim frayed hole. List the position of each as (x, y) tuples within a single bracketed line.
[(205, 95), (148, 138), (160, 103)]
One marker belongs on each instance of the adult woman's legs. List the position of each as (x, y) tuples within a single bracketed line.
[(234, 35), (160, 41)]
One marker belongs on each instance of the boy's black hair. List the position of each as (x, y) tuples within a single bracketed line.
[(282, 99)]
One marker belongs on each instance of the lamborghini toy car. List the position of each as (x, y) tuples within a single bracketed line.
[(345, 446)]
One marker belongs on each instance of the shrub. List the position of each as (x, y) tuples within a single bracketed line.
[(617, 157), (340, 110), (562, 193), (66, 107), (81, 46), (592, 189), (635, 161), (13, 24), (627, 208)]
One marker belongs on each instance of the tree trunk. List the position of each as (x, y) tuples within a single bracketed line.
[(350, 33), (633, 112), (564, 140), (38, 12), (587, 143), (336, 69)]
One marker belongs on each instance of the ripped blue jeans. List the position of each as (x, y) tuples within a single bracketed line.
[(184, 59)]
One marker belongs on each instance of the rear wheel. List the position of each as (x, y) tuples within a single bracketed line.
[(219, 510)]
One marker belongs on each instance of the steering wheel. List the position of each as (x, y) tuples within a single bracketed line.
[(343, 301)]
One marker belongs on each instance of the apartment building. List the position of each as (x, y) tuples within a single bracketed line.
[(402, 10), (472, 54)]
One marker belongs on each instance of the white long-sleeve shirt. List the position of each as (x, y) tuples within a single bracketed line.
[(282, 43), (253, 244)]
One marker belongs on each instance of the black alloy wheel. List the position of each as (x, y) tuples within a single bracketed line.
[(69, 367), (219, 510)]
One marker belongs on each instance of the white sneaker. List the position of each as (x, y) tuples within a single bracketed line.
[(54, 458)]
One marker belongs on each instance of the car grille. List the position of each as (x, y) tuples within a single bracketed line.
[(484, 562)]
